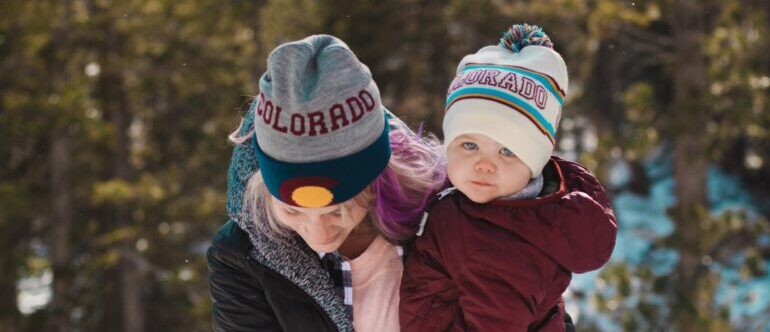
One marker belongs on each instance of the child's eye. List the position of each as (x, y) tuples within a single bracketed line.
[(469, 146), (506, 153), (291, 212)]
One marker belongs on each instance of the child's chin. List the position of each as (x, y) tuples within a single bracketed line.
[(480, 199)]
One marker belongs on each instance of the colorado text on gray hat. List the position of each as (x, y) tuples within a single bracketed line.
[(319, 122)]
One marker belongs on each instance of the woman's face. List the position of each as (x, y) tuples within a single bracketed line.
[(323, 229)]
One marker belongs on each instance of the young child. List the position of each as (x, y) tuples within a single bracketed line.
[(498, 249)]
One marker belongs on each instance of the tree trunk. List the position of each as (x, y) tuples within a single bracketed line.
[(130, 281), (690, 156), (61, 184), (125, 284), (9, 314), (435, 39), (61, 225)]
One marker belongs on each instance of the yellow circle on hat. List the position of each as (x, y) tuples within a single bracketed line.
[(312, 196)]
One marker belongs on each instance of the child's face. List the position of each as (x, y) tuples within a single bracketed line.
[(484, 169)]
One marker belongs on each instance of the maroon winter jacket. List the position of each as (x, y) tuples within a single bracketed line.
[(503, 266)]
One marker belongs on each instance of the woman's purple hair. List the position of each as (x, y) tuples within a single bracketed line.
[(417, 169)]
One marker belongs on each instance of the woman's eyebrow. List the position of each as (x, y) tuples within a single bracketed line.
[(338, 210), (290, 209)]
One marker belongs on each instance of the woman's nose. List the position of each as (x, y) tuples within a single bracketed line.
[(316, 222), (484, 165), (315, 229)]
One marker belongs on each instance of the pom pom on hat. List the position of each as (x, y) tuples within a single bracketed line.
[(520, 36)]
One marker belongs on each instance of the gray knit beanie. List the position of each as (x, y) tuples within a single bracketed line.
[(320, 127)]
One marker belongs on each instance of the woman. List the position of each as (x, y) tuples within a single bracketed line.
[(313, 240)]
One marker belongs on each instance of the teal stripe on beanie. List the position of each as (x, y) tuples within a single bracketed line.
[(549, 83), (344, 177), (476, 92)]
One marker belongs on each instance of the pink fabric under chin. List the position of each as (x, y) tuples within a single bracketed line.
[(376, 277)]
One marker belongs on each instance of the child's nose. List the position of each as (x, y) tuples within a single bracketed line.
[(485, 166)]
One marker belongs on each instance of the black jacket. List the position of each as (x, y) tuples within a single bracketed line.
[(250, 296), (258, 283)]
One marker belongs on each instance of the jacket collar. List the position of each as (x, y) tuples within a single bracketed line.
[(554, 187), (295, 261), (574, 225)]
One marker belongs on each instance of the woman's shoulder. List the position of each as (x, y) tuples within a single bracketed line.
[(231, 251), (231, 240)]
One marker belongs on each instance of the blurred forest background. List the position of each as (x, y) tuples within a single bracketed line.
[(113, 151)]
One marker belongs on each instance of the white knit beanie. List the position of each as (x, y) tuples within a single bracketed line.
[(513, 93)]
